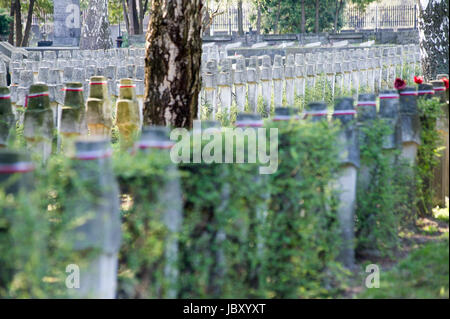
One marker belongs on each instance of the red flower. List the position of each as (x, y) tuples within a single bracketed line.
[(418, 79), (445, 80), (399, 84)]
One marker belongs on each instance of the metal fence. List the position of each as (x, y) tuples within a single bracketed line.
[(227, 20), (381, 17)]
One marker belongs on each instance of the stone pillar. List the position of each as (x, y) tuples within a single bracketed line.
[(258, 214), (127, 117), (362, 65), (278, 77), (2, 74), (210, 85), (290, 79), (316, 112), (73, 115), (110, 74), (253, 86), (224, 83), (240, 84), (320, 79), (410, 124), (38, 121), (282, 114), (330, 77), (156, 139), (346, 66), (310, 79), (26, 80), (96, 205), (355, 77), (67, 74), (389, 107), (371, 74), (55, 88), (300, 73), (367, 113), (339, 79), (140, 92), (391, 66), (266, 84), (7, 121), (442, 170), (98, 116), (346, 183), (385, 78), (378, 74)]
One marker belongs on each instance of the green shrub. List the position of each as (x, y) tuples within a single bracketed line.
[(301, 231), (428, 153), (378, 212)]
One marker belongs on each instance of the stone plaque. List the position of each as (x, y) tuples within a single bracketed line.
[(67, 24)]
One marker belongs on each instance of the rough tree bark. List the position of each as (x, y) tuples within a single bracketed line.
[(277, 23), (18, 22), (339, 5), (258, 19), (134, 19), (11, 24), (173, 57), (26, 36), (95, 33), (240, 19), (433, 30), (125, 15)]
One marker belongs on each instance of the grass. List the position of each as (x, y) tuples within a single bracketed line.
[(423, 275), (442, 213)]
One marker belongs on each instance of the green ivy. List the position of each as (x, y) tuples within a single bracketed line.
[(428, 152)]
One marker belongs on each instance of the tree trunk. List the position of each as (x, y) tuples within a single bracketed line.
[(18, 17), (173, 57), (339, 4), (240, 19), (12, 13), (433, 31), (134, 17), (26, 36), (277, 23), (125, 16), (316, 22), (95, 33), (303, 17), (258, 20)]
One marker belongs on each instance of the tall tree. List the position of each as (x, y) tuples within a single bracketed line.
[(12, 13), (26, 36), (338, 9), (173, 57), (95, 33), (18, 22), (303, 23), (125, 15), (433, 31), (240, 18), (277, 23), (258, 18), (316, 21)]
